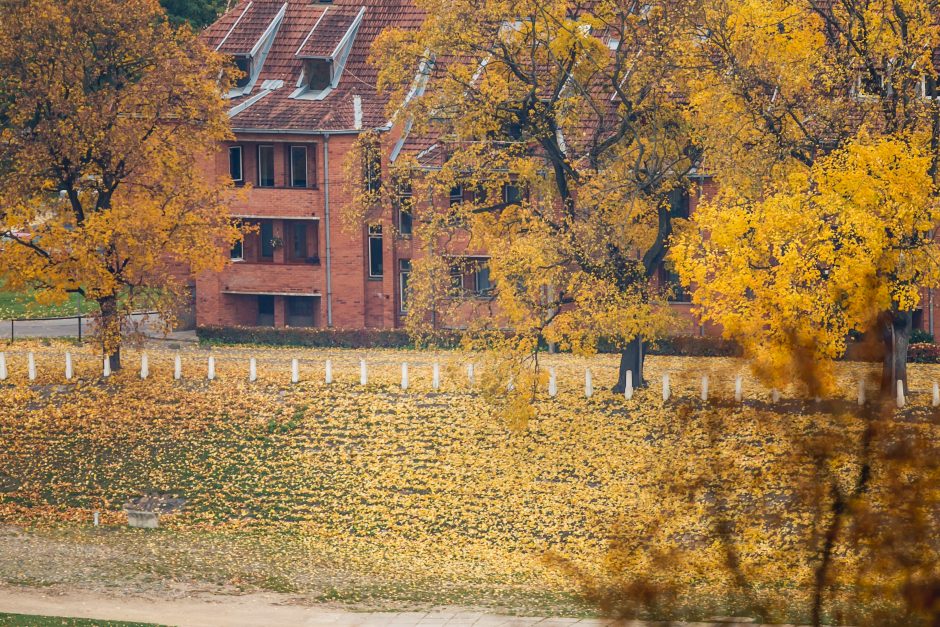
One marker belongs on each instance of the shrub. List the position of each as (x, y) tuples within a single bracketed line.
[(923, 353), (920, 336), (684, 346), (319, 338)]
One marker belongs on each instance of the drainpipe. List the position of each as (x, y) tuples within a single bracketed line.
[(326, 212), (930, 309)]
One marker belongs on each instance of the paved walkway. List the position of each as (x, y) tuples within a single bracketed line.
[(264, 610), (68, 327)]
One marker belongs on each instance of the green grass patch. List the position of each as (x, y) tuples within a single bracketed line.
[(15, 620)]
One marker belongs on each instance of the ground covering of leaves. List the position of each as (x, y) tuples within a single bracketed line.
[(382, 497)]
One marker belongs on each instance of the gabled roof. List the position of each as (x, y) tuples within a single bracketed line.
[(310, 29)]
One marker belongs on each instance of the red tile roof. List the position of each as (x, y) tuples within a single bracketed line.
[(277, 110), (333, 24)]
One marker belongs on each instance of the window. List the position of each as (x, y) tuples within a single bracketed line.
[(670, 281), (238, 251), (318, 73), (301, 311), (235, 164), (265, 311), (511, 194), (243, 63), (456, 195), (375, 251), (302, 241), (405, 207), (679, 203), (404, 272), (456, 280), (870, 85), (298, 166), (267, 240), (371, 167), (265, 166), (928, 87), (481, 280)]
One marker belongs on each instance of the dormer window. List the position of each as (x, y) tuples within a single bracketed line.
[(243, 63), (318, 73)]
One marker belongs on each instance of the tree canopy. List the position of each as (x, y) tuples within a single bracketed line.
[(196, 13), (105, 110)]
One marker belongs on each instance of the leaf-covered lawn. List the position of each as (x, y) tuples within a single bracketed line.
[(382, 496), (16, 620)]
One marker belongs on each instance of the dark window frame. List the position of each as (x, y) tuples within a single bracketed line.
[(241, 163), (404, 273), (376, 261), (261, 182), (306, 166)]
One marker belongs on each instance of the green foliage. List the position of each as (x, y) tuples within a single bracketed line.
[(920, 336), (16, 620), (196, 13)]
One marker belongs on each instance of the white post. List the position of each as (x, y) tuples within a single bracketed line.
[(588, 384), (704, 388), (3, 367), (211, 372), (328, 375), (774, 395), (738, 392), (31, 366), (552, 382), (96, 518), (936, 394), (107, 367), (628, 387), (177, 367), (252, 370), (470, 374), (436, 376), (511, 384), (144, 366), (363, 372), (404, 375), (861, 391), (68, 366), (900, 393), (294, 371), (666, 390)]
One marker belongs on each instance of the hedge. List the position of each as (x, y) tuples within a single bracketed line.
[(683, 345), (923, 353)]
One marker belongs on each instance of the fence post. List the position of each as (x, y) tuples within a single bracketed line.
[(3, 367), (552, 382), (666, 390), (31, 367), (294, 371), (79, 327), (404, 375), (177, 367), (588, 383), (436, 376), (68, 366), (252, 370), (704, 395), (628, 386), (328, 372)]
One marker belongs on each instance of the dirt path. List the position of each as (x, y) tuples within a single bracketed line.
[(267, 610)]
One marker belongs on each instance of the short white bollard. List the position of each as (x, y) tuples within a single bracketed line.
[(511, 384), (666, 390), (436, 376), (861, 392), (404, 375), (210, 374), (177, 367), (900, 398), (328, 372), (552, 382), (363, 372), (935, 402), (738, 392), (144, 366), (294, 371), (470, 374), (252, 370), (106, 367), (704, 388), (3, 367), (588, 384), (628, 387), (31, 366), (96, 518), (774, 395), (68, 366)]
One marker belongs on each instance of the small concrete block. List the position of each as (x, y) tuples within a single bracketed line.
[(143, 520)]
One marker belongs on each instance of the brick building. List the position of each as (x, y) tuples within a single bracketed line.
[(307, 94)]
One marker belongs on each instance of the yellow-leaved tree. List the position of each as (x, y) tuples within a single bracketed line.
[(821, 125), (104, 111), (546, 154)]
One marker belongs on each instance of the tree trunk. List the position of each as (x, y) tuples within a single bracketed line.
[(631, 360), (895, 329), (110, 330)]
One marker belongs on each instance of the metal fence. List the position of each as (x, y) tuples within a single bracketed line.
[(61, 326)]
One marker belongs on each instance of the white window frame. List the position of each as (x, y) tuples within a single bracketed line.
[(375, 232), (476, 281), (306, 167), (402, 280), (273, 176), (923, 89), (241, 257), (241, 163)]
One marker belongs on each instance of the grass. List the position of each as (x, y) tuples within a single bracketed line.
[(16, 620), (383, 499), (24, 305)]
